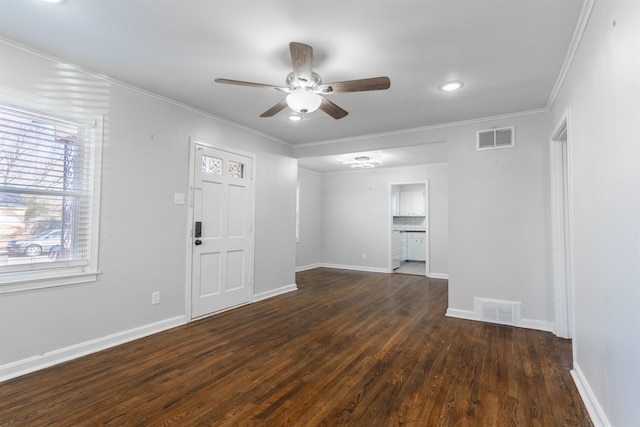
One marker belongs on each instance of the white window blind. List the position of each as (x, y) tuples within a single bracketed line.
[(46, 191)]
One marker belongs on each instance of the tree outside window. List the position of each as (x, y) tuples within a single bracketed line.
[(45, 188)]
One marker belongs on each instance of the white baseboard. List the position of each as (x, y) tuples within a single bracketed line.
[(438, 276), (307, 267), (462, 314), (598, 417), (356, 268), (539, 325), (274, 292), (45, 360)]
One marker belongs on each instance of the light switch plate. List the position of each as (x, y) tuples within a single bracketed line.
[(178, 199)]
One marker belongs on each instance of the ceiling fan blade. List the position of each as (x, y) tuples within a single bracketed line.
[(275, 109), (332, 109), (251, 84), (374, 83), (302, 60)]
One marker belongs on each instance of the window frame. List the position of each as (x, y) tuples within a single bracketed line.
[(73, 272)]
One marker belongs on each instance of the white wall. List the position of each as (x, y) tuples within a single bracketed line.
[(356, 216), (602, 94), (499, 219), (309, 248), (143, 245), (275, 257)]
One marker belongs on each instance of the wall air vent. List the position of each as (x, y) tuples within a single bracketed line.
[(498, 311), (496, 138)]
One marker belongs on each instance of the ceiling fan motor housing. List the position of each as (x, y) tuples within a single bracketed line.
[(296, 84)]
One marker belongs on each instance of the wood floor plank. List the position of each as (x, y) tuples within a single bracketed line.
[(348, 348)]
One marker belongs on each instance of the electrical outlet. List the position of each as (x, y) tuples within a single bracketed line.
[(155, 297), (364, 256)]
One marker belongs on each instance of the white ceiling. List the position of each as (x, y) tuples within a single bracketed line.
[(509, 53)]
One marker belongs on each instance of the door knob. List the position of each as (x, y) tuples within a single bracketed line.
[(198, 242)]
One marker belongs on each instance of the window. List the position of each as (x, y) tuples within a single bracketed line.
[(212, 165), (48, 202), (236, 170)]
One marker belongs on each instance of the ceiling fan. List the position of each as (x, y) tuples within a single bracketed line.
[(305, 88)]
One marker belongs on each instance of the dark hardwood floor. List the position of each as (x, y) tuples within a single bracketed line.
[(348, 348)]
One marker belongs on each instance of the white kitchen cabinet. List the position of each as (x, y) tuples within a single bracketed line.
[(422, 252), (411, 203), (416, 246)]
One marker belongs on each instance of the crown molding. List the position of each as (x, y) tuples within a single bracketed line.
[(132, 88), (587, 7), (423, 129)]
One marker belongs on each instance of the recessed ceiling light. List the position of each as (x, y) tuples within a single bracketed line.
[(451, 86), (295, 118)]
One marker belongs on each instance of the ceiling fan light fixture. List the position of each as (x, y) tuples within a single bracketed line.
[(304, 102), (451, 86)]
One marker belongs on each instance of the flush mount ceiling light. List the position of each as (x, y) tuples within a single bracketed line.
[(362, 162), (451, 85)]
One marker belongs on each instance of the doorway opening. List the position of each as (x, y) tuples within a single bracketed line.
[(561, 228), (409, 228)]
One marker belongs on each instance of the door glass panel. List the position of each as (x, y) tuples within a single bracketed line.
[(236, 170), (212, 165)]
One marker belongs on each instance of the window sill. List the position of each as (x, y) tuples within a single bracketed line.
[(32, 283)]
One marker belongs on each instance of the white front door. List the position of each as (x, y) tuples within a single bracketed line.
[(222, 234)]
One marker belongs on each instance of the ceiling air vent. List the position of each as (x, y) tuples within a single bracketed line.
[(496, 138)]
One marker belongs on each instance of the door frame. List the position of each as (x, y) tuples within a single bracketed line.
[(193, 143), (427, 203), (560, 149)]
